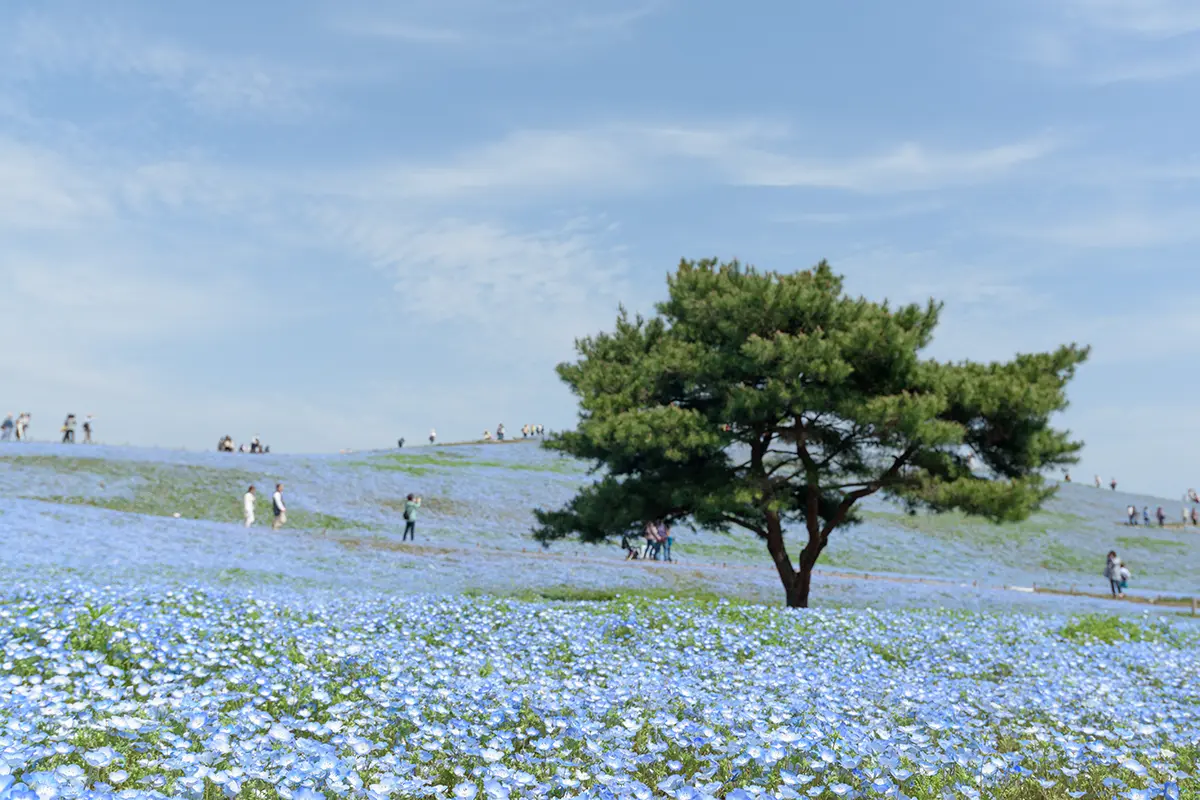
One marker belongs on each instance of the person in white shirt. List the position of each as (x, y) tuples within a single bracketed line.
[(248, 506), (432, 436), (279, 508)]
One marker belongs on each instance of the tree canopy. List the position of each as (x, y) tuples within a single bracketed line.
[(774, 402)]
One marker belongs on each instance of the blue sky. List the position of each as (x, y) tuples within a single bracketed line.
[(333, 224)]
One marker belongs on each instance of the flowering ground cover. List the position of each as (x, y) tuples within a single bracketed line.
[(482, 496), (203, 693), (149, 655)]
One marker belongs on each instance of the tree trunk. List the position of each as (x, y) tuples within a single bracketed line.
[(795, 587), (797, 593)]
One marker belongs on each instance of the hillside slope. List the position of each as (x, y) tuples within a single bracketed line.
[(79, 509)]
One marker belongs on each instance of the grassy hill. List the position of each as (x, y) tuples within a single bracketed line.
[(112, 511)]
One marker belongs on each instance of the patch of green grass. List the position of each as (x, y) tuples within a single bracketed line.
[(441, 506), (1057, 557), (1151, 544), (164, 490), (958, 526), (892, 655), (422, 463), (1107, 629)]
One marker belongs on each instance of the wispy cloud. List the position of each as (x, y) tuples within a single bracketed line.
[(207, 82), (629, 157), (1150, 18), (479, 23), (859, 216), (1149, 70), (1129, 229), (1118, 41), (541, 287)]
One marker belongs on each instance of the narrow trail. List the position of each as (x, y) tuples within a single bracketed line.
[(712, 568)]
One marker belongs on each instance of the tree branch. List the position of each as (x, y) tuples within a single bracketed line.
[(870, 488), (741, 523)]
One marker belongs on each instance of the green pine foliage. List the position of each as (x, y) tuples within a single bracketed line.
[(767, 401)]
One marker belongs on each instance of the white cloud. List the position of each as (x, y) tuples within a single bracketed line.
[(39, 190), (907, 167), (1149, 18), (542, 287), (631, 157), (1125, 230), (1117, 41), (207, 82), (543, 23), (1149, 70)]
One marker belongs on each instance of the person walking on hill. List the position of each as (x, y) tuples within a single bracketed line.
[(1122, 579), (6, 428), (1131, 510), (432, 436), (665, 537), (23, 426), (1161, 516), (412, 504), (68, 429), (279, 508), (87, 429), (1097, 481), (1112, 569), (1113, 484), (248, 505), (1195, 516), (1146, 516)]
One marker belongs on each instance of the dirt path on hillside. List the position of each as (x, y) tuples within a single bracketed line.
[(375, 543)]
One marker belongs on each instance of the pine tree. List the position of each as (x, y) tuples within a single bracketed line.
[(773, 402)]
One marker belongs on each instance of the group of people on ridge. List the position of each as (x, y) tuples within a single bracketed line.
[(527, 432), (1187, 515), (226, 445), (17, 427), (657, 539), (68, 429)]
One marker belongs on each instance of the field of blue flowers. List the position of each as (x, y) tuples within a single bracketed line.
[(147, 654)]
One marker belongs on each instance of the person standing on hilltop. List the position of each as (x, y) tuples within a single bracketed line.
[(432, 436), (1161, 516), (6, 428), (412, 504), (279, 508), (1113, 484), (87, 429), (248, 505)]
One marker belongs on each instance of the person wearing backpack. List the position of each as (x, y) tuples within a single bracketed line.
[(411, 506)]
